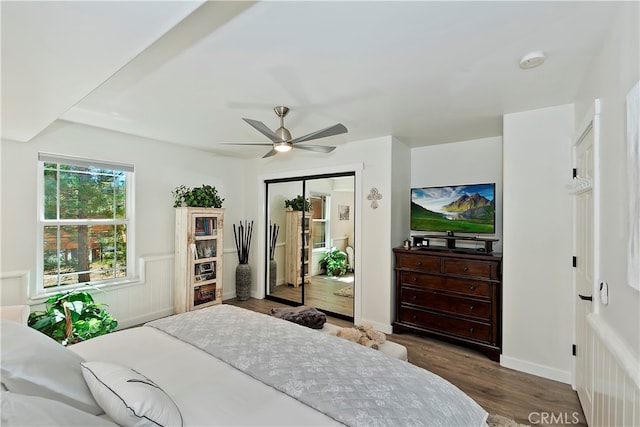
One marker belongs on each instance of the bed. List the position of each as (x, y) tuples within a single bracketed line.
[(220, 366)]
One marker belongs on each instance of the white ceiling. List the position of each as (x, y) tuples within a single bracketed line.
[(187, 72)]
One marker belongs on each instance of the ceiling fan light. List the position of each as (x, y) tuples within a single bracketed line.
[(282, 147)]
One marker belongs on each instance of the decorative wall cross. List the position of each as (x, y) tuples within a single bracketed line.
[(374, 196)]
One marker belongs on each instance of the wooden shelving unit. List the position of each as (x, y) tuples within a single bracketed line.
[(297, 248), (198, 258)]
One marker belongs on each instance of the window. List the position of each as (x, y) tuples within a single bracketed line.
[(85, 221), (319, 216)]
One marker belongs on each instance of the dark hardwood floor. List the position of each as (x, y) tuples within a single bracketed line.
[(319, 293), (525, 398)]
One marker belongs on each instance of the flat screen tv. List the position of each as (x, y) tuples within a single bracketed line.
[(456, 208)]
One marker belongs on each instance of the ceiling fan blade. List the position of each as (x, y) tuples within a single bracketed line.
[(316, 148), (322, 133), (270, 153), (263, 129), (261, 144)]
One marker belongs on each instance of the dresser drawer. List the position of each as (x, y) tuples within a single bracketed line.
[(448, 325), (465, 267), (451, 284), (419, 262), (452, 304)]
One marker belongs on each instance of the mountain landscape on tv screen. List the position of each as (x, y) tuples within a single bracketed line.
[(472, 213)]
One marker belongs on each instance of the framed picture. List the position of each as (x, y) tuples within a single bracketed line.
[(343, 212), (206, 248), (206, 267)]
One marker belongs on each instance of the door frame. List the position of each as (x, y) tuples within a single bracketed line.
[(355, 169), (591, 122)]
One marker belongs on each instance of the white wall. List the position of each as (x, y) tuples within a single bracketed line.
[(344, 228), (614, 73), (468, 162), (537, 229), (159, 168), (615, 327), (373, 161), (400, 205)]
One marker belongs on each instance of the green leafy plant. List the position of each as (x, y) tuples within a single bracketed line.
[(201, 197), (334, 261), (298, 204), (72, 317)]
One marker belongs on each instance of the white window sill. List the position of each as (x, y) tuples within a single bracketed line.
[(104, 287)]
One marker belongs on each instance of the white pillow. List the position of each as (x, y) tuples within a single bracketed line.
[(128, 397), (22, 410), (35, 364)]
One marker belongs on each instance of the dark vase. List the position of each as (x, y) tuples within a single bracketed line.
[(243, 282), (273, 275)]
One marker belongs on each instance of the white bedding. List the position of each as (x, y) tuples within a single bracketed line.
[(207, 391), (348, 382), (180, 375)]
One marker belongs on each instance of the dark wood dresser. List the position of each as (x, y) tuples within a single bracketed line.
[(452, 296)]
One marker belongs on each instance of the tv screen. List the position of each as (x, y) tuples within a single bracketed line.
[(457, 208)]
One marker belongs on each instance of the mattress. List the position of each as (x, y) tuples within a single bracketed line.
[(256, 370), (208, 391)]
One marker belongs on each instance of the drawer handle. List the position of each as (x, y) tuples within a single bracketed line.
[(471, 330), (419, 263), (471, 307), (414, 297), (472, 287), (415, 279), (414, 317), (466, 268)]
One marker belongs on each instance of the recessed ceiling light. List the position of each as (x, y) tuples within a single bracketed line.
[(532, 60)]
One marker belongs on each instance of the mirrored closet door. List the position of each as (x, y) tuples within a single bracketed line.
[(310, 242)]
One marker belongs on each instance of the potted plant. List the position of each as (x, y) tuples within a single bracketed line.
[(334, 261), (298, 204), (72, 317), (201, 197)]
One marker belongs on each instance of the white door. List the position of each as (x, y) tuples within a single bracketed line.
[(584, 274)]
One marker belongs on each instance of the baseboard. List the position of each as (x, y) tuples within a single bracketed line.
[(535, 369), (378, 326)]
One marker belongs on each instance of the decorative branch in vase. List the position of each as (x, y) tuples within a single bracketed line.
[(273, 238), (273, 266), (243, 240)]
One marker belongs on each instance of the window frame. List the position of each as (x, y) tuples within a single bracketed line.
[(326, 221), (128, 221)]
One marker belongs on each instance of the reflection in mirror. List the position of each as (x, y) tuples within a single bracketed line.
[(303, 272), (331, 286), (284, 257)]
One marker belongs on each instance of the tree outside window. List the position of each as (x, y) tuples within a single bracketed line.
[(84, 223)]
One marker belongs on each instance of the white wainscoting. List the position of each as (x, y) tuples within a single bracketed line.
[(229, 274), (14, 287), (340, 242), (149, 298), (616, 388), (280, 261)]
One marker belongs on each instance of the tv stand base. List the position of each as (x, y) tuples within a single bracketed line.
[(424, 241)]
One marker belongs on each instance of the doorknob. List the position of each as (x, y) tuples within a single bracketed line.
[(586, 297)]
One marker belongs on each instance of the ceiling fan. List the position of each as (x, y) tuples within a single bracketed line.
[(281, 137)]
